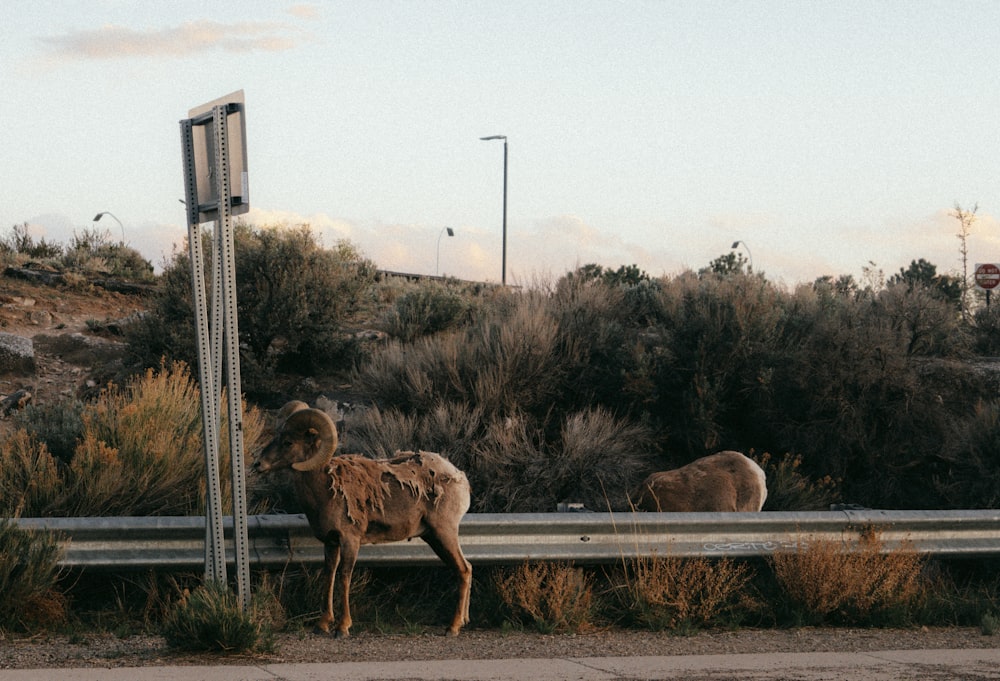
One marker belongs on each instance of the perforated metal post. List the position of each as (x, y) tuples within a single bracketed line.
[(226, 265), (217, 327), (215, 548)]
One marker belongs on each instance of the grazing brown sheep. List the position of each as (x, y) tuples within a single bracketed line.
[(727, 481), (352, 500)]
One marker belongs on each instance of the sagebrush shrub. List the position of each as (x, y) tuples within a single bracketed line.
[(211, 618), (29, 572), (968, 471), (424, 311), (789, 489), (140, 453), (596, 462), (58, 424), (93, 251), (30, 484)]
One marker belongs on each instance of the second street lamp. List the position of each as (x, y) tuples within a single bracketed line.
[(503, 269), (749, 254), (437, 262), (101, 215)]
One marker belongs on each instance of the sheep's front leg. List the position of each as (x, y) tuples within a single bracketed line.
[(349, 549), (331, 553)]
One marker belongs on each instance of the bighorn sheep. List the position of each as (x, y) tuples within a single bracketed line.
[(352, 500), (727, 481)]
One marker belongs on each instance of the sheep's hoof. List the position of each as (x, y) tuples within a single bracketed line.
[(341, 634), (320, 631), (451, 633)]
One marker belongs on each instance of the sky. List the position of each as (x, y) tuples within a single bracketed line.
[(826, 137)]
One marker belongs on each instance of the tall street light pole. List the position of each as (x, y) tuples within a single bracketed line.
[(503, 271), (101, 215)]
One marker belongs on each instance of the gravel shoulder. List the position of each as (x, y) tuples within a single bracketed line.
[(139, 651)]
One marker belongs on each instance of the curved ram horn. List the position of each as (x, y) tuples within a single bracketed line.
[(318, 424), (287, 410)]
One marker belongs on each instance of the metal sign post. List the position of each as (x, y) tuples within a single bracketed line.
[(210, 162)]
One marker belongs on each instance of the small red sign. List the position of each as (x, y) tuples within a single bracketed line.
[(987, 276)]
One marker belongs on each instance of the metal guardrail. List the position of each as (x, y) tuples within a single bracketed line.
[(495, 539)]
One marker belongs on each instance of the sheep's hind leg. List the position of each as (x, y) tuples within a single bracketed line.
[(350, 555), (447, 548), (331, 553)]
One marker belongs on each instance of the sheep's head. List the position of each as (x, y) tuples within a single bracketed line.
[(306, 442)]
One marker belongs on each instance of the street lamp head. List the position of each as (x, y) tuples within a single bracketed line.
[(98, 217), (451, 232), (735, 244), (494, 137)]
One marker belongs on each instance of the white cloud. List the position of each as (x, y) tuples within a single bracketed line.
[(187, 39), (303, 11)]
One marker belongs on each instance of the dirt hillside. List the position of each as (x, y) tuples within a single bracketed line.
[(73, 334)]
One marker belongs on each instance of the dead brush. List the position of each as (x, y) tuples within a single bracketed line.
[(551, 596), (825, 581), (669, 592)]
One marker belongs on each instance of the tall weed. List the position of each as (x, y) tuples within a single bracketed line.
[(550, 596), (825, 583), (667, 592)]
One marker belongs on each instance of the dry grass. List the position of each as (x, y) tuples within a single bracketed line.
[(551, 596), (29, 479), (667, 592), (825, 581)]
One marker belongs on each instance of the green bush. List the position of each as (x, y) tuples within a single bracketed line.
[(788, 489), (507, 360), (29, 572), (212, 619), (93, 251), (59, 425), (90, 252), (424, 311), (967, 471), (986, 331), (19, 243), (718, 343), (293, 299), (851, 392)]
